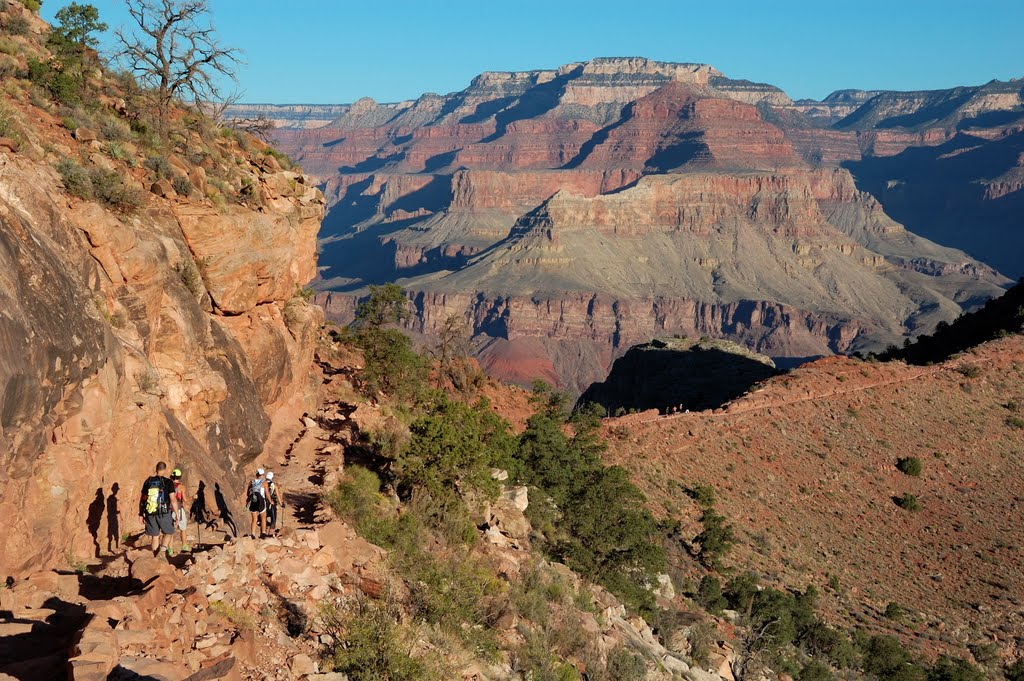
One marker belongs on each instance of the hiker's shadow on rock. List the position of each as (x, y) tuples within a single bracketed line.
[(92, 521), (113, 519), (222, 508)]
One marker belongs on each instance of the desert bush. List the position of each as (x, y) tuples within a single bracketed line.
[(76, 179), (18, 25), (740, 592), (709, 595), (98, 184), (885, 658), (239, 617), (908, 502), (1015, 422), (1014, 671), (969, 370), (114, 130), (160, 166), (948, 668), (147, 381), (455, 445), (357, 500), (715, 539), (32, 5), (182, 185), (910, 465), (704, 495), (894, 611), (8, 122), (814, 670), (109, 188), (371, 644), (623, 665)]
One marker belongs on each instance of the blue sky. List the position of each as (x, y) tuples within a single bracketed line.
[(334, 51)]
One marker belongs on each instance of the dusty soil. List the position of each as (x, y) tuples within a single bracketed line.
[(805, 469)]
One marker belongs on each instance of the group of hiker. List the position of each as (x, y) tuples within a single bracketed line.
[(163, 508)]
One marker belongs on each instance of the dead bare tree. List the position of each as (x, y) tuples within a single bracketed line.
[(175, 51)]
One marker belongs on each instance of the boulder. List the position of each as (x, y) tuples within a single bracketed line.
[(302, 665), (162, 188), (8, 145), (86, 135)]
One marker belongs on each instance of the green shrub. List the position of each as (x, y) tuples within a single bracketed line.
[(740, 592), (814, 670), (160, 166), (182, 185), (455, 445), (704, 495), (885, 658), (109, 189), (357, 500), (623, 665), (371, 644), (8, 122), (1015, 422), (76, 179), (895, 611), (18, 25), (32, 5), (709, 595), (1014, 671), (601, 527), (715, 539), (114, 130), (908, 502), (910, 465), (954, 669), (969, 370)]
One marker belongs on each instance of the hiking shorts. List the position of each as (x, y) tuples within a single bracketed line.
[(258, 504), (159, 523), (182, 519)]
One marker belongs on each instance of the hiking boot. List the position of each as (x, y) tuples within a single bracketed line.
[(185, 547)]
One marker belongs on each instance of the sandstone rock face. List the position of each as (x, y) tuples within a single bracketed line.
[(172, 335), (566, 209)]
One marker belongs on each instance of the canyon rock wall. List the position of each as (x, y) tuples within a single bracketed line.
[(631, 181), (174, 334)]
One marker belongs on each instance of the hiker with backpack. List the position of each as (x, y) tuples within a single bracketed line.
[(275, 501), (181, 514), (256, 499), (157, 506)]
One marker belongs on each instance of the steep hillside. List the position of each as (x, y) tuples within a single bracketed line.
[(607, 202), (805, 468), (149, 305)]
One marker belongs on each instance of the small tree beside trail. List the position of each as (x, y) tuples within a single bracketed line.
[(175, 51)]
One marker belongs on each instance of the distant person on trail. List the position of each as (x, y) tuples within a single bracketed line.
[(275, 501), (156, 509), (256, 499), (181, 514)]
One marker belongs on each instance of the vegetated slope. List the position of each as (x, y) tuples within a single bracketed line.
[(999, 317), (570, 214), (806, 470), (149, 305)]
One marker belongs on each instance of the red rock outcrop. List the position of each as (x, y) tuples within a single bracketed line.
[(632, 181), (175, 334)]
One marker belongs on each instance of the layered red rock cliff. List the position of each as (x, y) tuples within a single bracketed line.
[(174, 334), (631, 181)]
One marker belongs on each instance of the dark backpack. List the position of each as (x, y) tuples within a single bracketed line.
[(155, 500), (254, 491)]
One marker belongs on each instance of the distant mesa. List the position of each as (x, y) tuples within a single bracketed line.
[(679, 374), (569, 214)]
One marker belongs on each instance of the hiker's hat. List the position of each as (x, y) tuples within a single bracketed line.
[(176, 473), (259, 471), (270, 475)]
